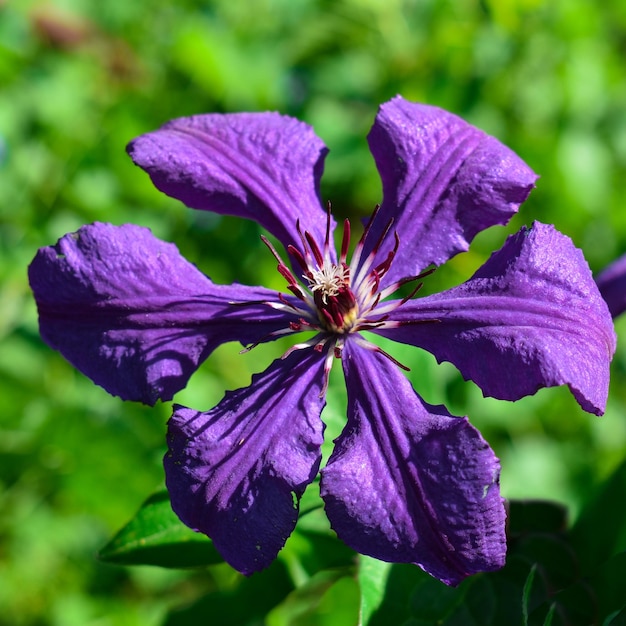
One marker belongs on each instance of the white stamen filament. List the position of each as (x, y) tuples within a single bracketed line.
[(329, 279)]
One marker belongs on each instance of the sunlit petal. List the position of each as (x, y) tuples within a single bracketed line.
[(236, 473), (531, 317), (130, 313), (262, 166), (407, 482), (444, 181)]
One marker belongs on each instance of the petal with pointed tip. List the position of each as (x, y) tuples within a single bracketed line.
[(262, 166), (408, 482), (132, 314), (237, 472), (530, 317), (444, 181)]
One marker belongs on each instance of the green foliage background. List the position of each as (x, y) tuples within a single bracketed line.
[(80, 78)]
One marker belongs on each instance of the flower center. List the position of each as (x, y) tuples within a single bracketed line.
[(337, 308), (329, 280), (340, 299)]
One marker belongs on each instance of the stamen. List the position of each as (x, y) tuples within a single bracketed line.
[(327, 237), (365, 265), (383, 267), (413, 292), (283, 300), (297, 292), (317, 253), (282, 305), (305, 247), (328, 364), (345, 242), (372, 324), (382, 237), (310, 343), (297, 255), (370, 222), (267, 242), (432, 320), (404, 281), (330, 279), (282, 268), (374, 348), (275, 333), (356, 255), (340, 299)]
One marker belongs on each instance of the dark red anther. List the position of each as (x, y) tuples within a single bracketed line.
[(286, 302), (296, 291), (284, 271), (317, 253), (383, 235), (299, 257), (369, 224), (328, 220), (345, 242)]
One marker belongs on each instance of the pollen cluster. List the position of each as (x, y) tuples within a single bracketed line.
[(329, 280)]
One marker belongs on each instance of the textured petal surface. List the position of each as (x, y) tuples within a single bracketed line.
[(237, 472), (444, 181), (129, 312), (612, 284), (531, 317), (408, 482), (262, 166)]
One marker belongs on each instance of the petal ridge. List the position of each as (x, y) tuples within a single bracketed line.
[(532, 312), (237, 472), (261, 166), (444, 181), (408, 482), (129, 312)]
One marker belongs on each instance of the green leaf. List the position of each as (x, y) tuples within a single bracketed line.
[(550, 615), (609, 584), (373, 575), (155, 536), (600, 531), (329, 598), (236, 600), (617, 618), (526, 593)]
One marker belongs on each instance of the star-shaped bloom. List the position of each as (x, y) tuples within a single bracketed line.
[(407, 481), (612, 284)]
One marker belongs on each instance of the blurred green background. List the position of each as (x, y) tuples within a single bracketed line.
[(80, 78)]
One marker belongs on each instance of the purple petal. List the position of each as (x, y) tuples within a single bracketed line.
[(131, 314), (262, 166), (444, 181), (531, 317), (237, 472), (612, 284), (408, 482)]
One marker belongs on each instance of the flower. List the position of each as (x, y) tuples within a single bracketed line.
[(612, 285), (407, 481)]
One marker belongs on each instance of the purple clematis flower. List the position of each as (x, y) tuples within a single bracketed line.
[(612, 284), (407, 481)]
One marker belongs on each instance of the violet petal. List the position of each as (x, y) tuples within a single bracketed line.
[(237, 472), (612, 284), (262, 166), (530, 317), (444, 181), (408, 482), (132, 314)]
